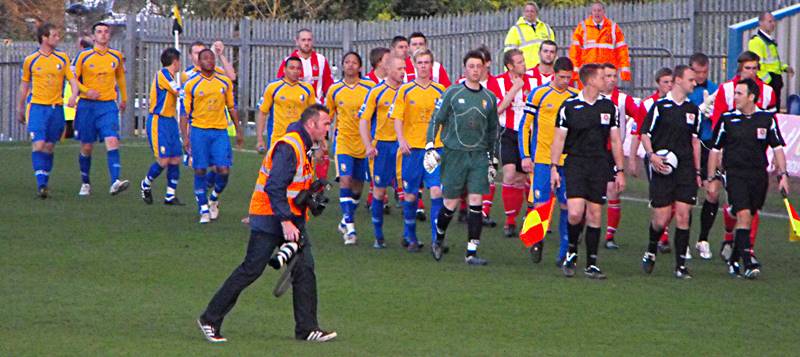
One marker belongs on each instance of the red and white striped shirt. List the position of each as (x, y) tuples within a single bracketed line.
[(644, 107), (438, 73), (541, 79), (627, 107), (374, 77), (723, 102), (513, 115), (316, 71)]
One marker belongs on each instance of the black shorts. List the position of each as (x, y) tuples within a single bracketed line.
[(508, 149), (680, 186), (746, 191), (586, 179)]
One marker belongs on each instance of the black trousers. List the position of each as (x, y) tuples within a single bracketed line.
[(776, 82), (259, 250)]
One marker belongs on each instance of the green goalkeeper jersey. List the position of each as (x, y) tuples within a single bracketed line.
[(468, 119)]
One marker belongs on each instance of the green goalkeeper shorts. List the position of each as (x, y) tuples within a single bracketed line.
[(464, 172)]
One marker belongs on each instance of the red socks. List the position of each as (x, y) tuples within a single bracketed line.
[(730, 223), (487, 200), (513, 196), (614, 213)]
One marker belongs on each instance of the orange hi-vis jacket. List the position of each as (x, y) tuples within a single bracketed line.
[(259, 202), (591, 44)]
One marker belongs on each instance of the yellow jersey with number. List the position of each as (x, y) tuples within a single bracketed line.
[(206, 99), (344, 101), (538, 127), (414, 106), (103, 71), (283, 102), (375, 110)]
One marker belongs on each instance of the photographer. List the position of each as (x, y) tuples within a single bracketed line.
[(278, 215)]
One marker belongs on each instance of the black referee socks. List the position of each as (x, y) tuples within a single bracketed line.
[(592, 241), (655, 235), (742, 247), (707, 216), (574, 232), (681, 243)]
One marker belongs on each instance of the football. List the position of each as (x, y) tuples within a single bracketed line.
[(670, 160)]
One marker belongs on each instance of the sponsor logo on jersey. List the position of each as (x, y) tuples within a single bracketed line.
[(761, 133), (605, 118), (690, 118)]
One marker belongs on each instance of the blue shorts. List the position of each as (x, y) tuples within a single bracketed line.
[(46, 122), (164, 137), (412, 172), (210, 147), (347, 165), (541, 184), (384, 166), (96, 120)]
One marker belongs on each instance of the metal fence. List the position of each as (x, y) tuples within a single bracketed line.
[(659, 34)]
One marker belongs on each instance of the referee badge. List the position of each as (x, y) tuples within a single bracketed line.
[(761, 133), (690, 118), (605, 118)]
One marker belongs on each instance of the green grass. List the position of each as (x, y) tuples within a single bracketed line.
[(111, 276)]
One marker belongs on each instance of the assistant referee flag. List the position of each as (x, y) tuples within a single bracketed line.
[(536, 223), (794, 220), (177, 22)]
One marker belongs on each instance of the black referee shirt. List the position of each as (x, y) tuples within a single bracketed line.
[(672, 126), (588, 126), (745, 139)]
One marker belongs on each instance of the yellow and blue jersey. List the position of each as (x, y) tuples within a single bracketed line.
[(344, 101), (103, 71), (375, 110), (537, 129), (414, 106), (46, 74), (206, 99), (163, 98), (283, 102)]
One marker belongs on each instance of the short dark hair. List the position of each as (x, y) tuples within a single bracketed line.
[(376, 55), (294, 58), (98, 24), (397, 39), (198, 44), (680, 70), (752, 88), (474, 54), (587, 71), (698, 58), (85, 42), (763, 15), (169, 56), (663, 72), (204, 51), (487, 54), (44, 31), (608, 65), (353, 53), (548, 43), (418, 34), (304, 29), (508, 57), (747, 56), (563, 64), (312, 112)]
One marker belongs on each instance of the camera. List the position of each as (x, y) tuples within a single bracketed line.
[(314, 198), (283, 255)]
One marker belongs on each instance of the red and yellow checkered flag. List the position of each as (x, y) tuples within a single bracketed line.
[(536, 223), (794, 219)]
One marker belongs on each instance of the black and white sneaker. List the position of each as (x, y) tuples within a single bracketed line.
[(420, 215), (210, 332), (42, 192), (752, 273), (536, 252), (593, 272), (726, 250), (510, 231), (734, 270), (475, 260), (682, 273), (488, 222), (568, 266), (174, 202), (320, 336), (648, 262), (147, 194), (437, 251)]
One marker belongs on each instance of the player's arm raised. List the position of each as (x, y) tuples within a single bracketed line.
[(219, 50)]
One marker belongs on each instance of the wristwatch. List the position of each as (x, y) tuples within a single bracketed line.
[(618, 170)]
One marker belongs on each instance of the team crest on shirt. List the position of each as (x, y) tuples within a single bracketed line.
[(314, 68), (549, 105), (58, 66), (341, 103), (302, 97), (200, 93), (460, 100), (412, 102), (761, 133), (605, 118), (113, 64), (484, 104), (38, 69), (690, 118)]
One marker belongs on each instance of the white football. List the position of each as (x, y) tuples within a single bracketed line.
[(670, 160)]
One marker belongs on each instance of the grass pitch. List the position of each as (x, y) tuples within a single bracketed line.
[(112, 276)]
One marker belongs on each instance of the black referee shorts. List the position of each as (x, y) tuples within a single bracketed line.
[(509, 151), (680, 186), (747, 191), (586, 178)]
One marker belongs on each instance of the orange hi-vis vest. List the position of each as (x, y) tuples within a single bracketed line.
[(591, 44), (259, 202)]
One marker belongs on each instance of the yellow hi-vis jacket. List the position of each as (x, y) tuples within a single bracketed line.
[(765, 47), (528, 38)]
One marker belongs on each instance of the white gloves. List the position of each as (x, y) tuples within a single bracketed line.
[(432, 158), (493, 164), (707, 107)]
